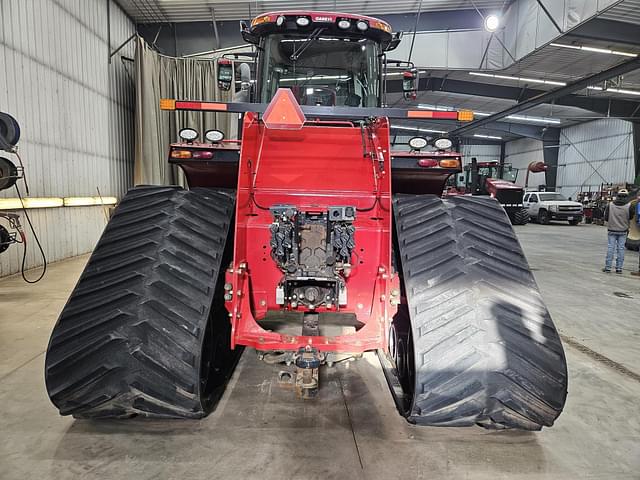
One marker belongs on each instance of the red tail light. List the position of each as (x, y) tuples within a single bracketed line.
[(202, 154), (428, 162)]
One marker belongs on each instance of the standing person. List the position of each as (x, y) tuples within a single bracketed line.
[(637, 274), (617, 216)]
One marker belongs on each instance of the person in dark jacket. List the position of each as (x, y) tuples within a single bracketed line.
[(617, 215), (637, 274)]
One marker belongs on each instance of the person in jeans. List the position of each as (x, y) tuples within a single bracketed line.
[(637, 274), (617, 216)]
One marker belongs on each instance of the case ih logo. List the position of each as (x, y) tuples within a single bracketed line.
[(323, 19)]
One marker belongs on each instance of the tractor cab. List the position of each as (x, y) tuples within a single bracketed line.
[(326, 59), (474, 179)]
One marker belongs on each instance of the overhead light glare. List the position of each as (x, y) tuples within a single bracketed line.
[(614, 90), (491, 23), (416, 129), (489, 137), (594, 49), (624, 91), (519, 79), (526, 118)]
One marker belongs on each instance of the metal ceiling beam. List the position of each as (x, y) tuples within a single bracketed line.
[(602, 105), (550, 96), (609, 31)]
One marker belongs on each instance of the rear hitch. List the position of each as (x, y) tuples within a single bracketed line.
[(307, 366)]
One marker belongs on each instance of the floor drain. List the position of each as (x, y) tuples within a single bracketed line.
[(622, 295)]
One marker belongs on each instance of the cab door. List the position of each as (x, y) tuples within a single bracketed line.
[(533, 204)]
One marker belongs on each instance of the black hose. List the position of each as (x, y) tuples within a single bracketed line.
[(24, 251)]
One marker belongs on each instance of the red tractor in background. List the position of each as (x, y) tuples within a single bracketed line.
[(310, 242), (497, 181)]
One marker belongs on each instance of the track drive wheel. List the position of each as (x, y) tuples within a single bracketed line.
[(484, 350), (145, 331)]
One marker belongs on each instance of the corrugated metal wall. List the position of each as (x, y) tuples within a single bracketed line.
[(484, 153), (594, 153), (76, 113), (520, 153)]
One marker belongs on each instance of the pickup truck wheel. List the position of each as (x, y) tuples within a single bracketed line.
[(543, 217)]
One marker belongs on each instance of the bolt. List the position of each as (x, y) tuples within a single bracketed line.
[(381, 270), (360, 306), (395, 292), (243, 265), (263, 303), (228, 286), (227, 297), (239, 293)]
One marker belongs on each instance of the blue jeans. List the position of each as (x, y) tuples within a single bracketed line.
[(616, 244)]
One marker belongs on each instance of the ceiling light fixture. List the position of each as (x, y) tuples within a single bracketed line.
[(594, 49), (526, 118), (623, 91), (519, 79), (416, 129), (491, 23), (489, 137)]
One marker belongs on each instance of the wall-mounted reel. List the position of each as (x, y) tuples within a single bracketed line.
[(9, 175), (9, 132)]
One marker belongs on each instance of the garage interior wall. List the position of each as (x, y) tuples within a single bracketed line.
[(595, 153), (520, 153), (484, 153), (159, 76), (76, 114)]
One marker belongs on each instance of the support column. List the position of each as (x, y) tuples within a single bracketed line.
[(551, 148), (636, 149)]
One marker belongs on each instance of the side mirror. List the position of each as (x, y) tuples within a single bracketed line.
[(247, 36), (395, 41), (225, 74), (410, 84)]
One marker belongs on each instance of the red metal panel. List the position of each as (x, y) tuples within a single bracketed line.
[(313, 168)]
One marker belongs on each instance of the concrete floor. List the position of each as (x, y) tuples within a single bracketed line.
[(352, 430)]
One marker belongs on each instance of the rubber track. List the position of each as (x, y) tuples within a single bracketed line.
[(486, 349), (520, 217), (129, 340)]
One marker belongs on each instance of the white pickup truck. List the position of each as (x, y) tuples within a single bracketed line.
[(546, 206)]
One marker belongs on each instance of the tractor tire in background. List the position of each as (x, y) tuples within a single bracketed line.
[(474, 343), (519, 216), (145, 331)]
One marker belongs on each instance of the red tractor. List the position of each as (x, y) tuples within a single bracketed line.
[(497, 181), (310, 243)]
